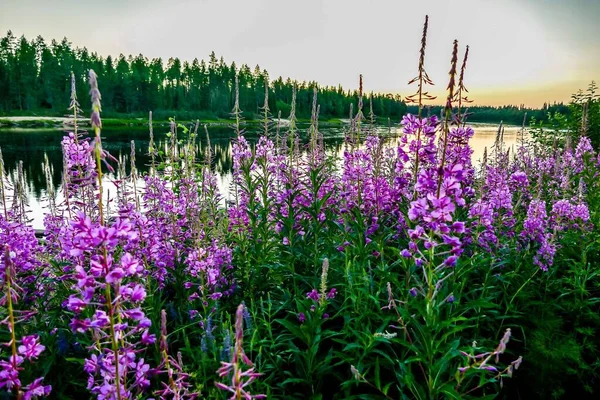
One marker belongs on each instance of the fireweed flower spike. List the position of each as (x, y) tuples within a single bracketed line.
[(482, 361), (237, 112), (95, 97), (265, 109), (240, 379), (459, 97), (359, 112), (9, 375), (28, 348), (448, 112), (177, 386), (113, 275), (422, 79), (107, 285), (74, 106)]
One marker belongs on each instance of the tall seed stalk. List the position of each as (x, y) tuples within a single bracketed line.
[(422, 78), (448, 113)]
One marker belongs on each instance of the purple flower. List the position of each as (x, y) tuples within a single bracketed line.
[(147, 338), (458, 227), (536, 221), (581, 212), (36, 389), (130, 265), (100, 319), (76, 304), (115, 275), (416, 233), (583, 147), (450, 261), (313, 294), (301, 317), (138, 294), (9, 375), (443, 208), (418, 208)]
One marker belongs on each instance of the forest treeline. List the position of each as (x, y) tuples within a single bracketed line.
[(509, 114), (35, 79), (35, 76)]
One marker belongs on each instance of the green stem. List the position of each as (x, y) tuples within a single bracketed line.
[(523, 285), (109, 305)]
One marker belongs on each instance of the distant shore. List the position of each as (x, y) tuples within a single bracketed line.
[(32, 121), (59, 122)]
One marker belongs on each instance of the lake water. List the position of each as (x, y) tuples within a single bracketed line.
[(32, 146)]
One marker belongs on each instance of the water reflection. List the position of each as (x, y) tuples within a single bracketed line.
[(32, 146)]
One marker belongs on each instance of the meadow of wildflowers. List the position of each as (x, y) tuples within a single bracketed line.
[(399, 271)]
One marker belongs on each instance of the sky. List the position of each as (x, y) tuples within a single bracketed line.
[(521, 51)]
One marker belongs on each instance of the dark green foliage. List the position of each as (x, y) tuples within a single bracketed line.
[(565, 345), (34, 78), (585, 110), (508, 114)]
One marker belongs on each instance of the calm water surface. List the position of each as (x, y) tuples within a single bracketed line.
[(32, 146)]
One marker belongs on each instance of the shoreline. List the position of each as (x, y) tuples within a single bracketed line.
[(61, 122), (8, 122)]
